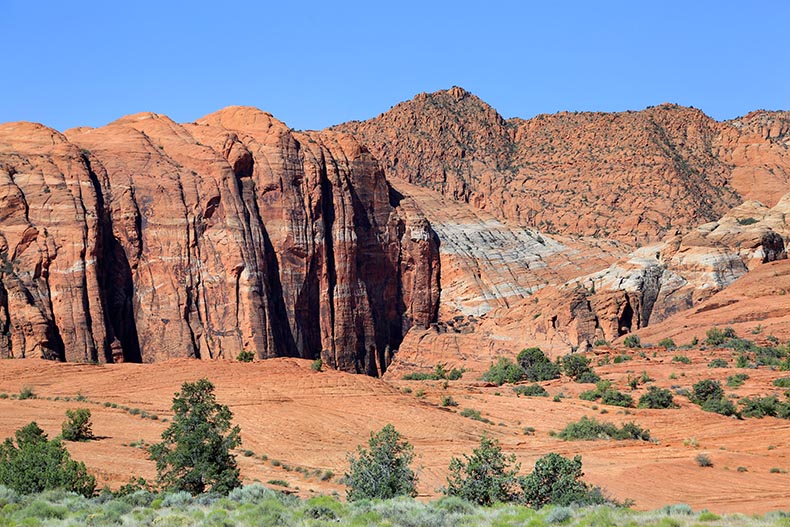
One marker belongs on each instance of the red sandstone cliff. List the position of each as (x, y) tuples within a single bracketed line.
[(146, 239)]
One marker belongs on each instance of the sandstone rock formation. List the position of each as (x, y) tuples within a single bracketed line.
[(633, 176), (146, 239)]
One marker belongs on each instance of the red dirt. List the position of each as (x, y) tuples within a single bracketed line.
[(311, 420)]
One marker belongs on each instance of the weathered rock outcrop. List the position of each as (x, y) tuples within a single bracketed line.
[(634, 176), (146, 239)]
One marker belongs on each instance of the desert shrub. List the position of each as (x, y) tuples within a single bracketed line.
[(765, 406), (418, 376), (531, 390), (682, 359), (317, 364), (632, 341), (782, 382), (194, 454), (718, 363), (737, 380), (590, 395), (77, 426), (721, 406), (245, 356), (383, 470), (504, 370), (36, 463), (710, 396), (447, 400), (667, 343), (600, 342), (26, 393), (590, 429), (475, 415), (577, 367), (705, 390), (715, 337), (537, 366), (657, 398), (485, 477), (559, 515), (556, 480), (615, 398), (703, 460)]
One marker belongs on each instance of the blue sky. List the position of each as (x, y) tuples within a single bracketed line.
[(313, 64)]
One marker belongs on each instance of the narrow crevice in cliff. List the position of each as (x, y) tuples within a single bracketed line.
[(328, 215), (115, 281), (625, 320)]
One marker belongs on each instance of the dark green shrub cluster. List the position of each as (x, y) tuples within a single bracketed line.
[(718, 363), (682, 359), (737, 380), (657, 398), (447, 400), (710, 396), (475, 415), (537, 366), (35, 464), (607, 395), (667, 343), (531, 390), (245, 356), (503, 371), (782, 382), (439, 373), (577, 367), (769, 406), (590, 429), (632, 341), (488, 476)]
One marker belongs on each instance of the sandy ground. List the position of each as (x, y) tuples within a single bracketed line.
[(308, 421)]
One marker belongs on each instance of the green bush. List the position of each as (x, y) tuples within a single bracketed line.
[(765, 407), (531, 390), (77, 426), (632, 341), (589, 429), (537, 366), (705, 390), (194, 454), (486, 477), (615, 398), (667, 343), (718, 363), (504, 370), (737, 380), (682, 359), (577, 367), (556, 480), (26, 393), (317, 364), (383, 470), (721, 406), (782, 382), (245, 356), (35, 464), (657, 398), (475, 415), (447, 400), (704, 460)]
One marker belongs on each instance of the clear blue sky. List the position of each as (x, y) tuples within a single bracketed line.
[(313, 64)]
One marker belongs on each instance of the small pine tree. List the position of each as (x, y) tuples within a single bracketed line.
[(485, 477), (383, 471), (194, 454), (36, 464), (77, 426)]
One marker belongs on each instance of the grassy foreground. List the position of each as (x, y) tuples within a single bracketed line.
[(256, 505)]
